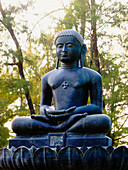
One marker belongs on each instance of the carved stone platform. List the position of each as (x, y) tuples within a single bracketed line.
[(64, 158), (61, 139)]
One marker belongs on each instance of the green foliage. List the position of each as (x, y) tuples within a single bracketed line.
[(4, 135), (115, 98)]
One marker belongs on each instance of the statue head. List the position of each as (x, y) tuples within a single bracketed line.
[(70, 47)]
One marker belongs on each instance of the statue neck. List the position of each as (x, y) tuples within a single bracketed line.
[(69, 66)]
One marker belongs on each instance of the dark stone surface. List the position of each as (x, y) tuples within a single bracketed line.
[(70, 158), (119, 158), (61, 139), (88, 140), (63, 158), (95, 158), (45, 158)]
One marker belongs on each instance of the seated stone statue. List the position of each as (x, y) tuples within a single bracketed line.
[(70, 87)]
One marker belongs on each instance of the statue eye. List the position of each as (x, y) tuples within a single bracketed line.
[(70, 45), (60, 46)]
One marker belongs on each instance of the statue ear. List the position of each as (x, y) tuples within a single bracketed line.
[(57, 63), (84, 49), (83, 52)]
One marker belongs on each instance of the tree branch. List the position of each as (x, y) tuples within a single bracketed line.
[(123, 123), (116, 105), (20, 54), (121, 137), (122, 116), (11, 64)]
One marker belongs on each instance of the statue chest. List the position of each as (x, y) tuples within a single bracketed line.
[(68, 79), (69, 88)]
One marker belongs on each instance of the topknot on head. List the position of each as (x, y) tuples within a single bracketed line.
[(73, 33)]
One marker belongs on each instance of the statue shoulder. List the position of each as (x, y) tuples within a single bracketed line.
[(46, 76), (93, 75)]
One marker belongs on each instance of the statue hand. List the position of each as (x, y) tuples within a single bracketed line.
[(71, 109), (37, 116), (58, 112), (41, 118), (44, 108), (33, 116)]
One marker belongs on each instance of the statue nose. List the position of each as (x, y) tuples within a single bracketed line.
[(64, 48)]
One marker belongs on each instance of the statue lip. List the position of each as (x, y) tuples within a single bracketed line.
[(64, 55)]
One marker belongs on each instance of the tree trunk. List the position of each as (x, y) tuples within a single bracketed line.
[(94, 48)]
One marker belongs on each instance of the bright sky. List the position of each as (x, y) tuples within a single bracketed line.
[(42, 7), (38, 10)]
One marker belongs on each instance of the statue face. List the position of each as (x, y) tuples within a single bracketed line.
[(68, 49)]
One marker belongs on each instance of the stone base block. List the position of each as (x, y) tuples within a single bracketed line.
[(61, 139)]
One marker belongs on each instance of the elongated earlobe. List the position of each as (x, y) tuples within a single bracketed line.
[(84, 50), (81, 61), (57, 63)]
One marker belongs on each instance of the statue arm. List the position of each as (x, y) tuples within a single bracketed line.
[(96, 92), (95, 89), (90, 109), (46, 95)]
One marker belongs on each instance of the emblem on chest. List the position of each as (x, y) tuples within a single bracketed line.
[(65, 85)]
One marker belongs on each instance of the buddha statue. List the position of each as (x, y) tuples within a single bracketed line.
[(70, 87)]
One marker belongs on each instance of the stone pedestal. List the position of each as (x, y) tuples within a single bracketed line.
[(64, 158), (62, 140)]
